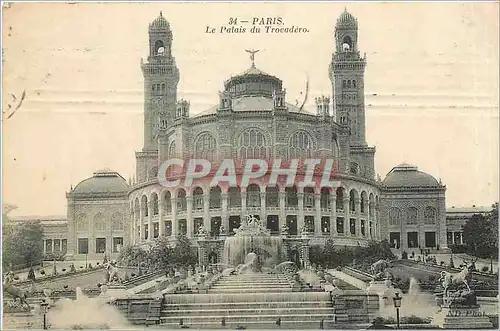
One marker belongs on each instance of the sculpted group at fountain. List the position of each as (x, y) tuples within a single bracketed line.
[(458, 307)]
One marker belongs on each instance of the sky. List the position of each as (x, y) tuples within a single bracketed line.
[(431, 85)]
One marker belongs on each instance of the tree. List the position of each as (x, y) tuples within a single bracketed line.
[(183, 253), (480, 234), (22, 243)]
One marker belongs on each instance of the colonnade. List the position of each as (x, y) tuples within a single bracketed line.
[(318, 211)]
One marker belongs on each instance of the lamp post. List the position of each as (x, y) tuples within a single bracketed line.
[(44, 306), (397, 304)]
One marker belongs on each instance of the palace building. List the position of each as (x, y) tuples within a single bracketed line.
[(253, 120)]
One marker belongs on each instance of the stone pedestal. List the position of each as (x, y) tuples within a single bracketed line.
[(462, 318)]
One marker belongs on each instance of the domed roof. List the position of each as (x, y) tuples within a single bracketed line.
[(406, 175), (253, 81), (347, 20), (160, 23), (102, 181)]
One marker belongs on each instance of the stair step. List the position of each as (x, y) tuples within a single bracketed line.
[(284, 311), (251, 290), (249, 318), (240, 305)]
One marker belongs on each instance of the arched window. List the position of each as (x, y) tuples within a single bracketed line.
[(154, 201), (159, 48), (172, 150), (168, 202), (82, 223), (181, 200), (300, 145), (354, 83), (215, 197), (253, 145), (99, 222), (430, 215), (308, 197), (234, 195), (394, 216), (144, 206), (117, 222), (412, 216), (344, 84), (349, 83), (340, 198), (347, 44), (205, 147), (198, 198), (253, 196)]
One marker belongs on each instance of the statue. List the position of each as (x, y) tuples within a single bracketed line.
[(110, 273), (379, 267), (15, 291), (222, 230), (285, 229), (454, 280), (252, 55), (202, 232)]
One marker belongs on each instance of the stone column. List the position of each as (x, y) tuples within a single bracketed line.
[(132, 226), (45, 246), (72, 239), (189, 217), (175, 222), (243, 204), (52, 248), (300, 217), (202, 252), (357, 203), (333, 214), (206, 215), (317, 218), (150, 220), (453, 237), (225, 212), (161, 221), (461, 238), (305, 253), (282, 213), (263, 213), (347, 218)]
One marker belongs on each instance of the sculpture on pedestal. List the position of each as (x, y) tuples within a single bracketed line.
[(378, 268)]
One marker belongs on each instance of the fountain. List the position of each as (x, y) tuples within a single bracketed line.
[(85, 313), (252, 237)]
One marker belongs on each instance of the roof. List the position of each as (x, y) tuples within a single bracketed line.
[(253, 103), (43, 218), (469, 210), (103, 181), (347, 20), (159, 23), (406, 175)]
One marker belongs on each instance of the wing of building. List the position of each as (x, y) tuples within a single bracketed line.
[(253, 120)]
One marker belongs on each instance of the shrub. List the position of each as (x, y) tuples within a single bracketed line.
[(63, 270), (414, 320), (485, 269)]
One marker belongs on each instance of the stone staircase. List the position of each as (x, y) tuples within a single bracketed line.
[(252, 300)]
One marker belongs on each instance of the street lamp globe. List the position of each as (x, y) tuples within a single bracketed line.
[(397, 300)]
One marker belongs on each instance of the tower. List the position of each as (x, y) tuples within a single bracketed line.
[(161, 77), (347, 76)]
